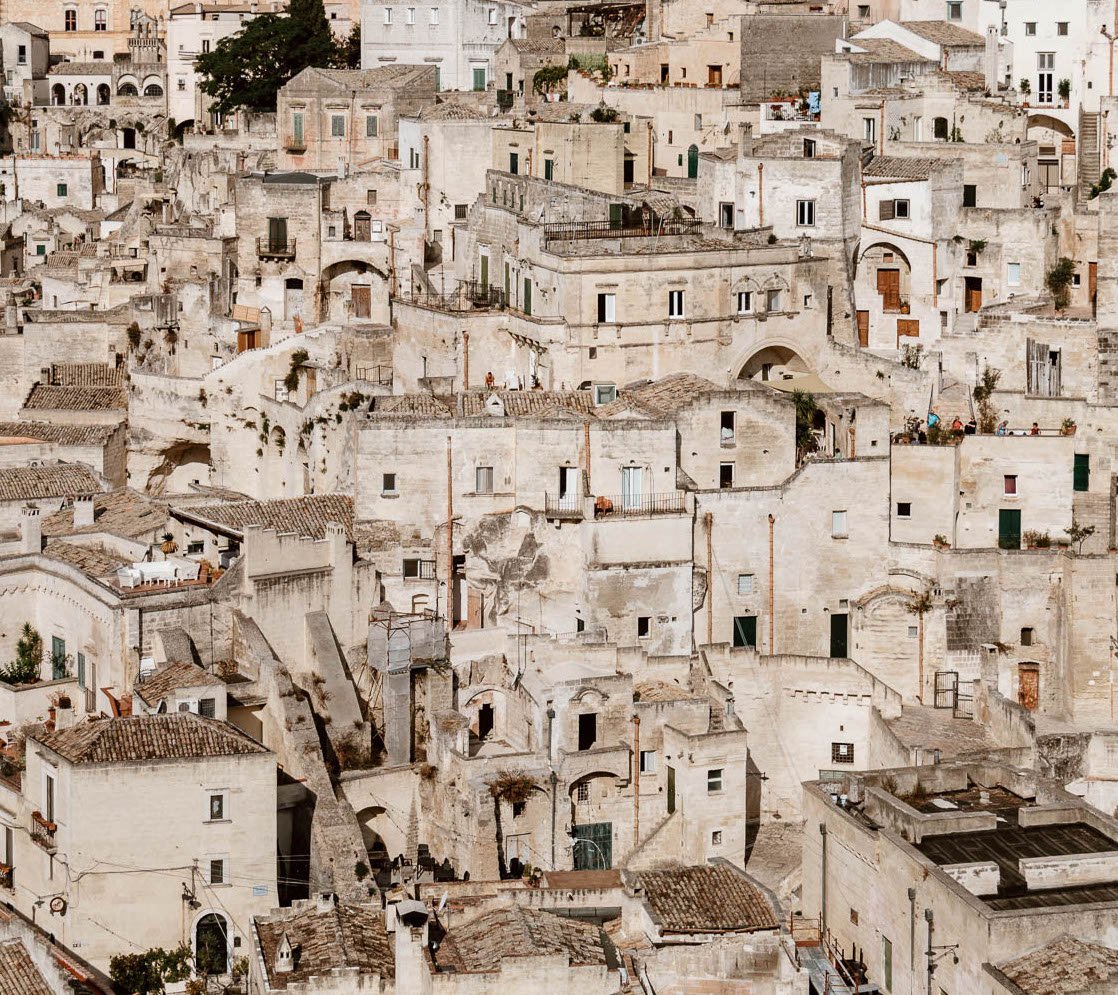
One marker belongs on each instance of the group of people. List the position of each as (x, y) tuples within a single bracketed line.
[(918, 430)]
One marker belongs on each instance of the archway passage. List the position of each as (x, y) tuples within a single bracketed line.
[(774, 362), (211, 945)]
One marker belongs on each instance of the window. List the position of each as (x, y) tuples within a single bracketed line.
[(842, 753), (48, 798), (745, 631), (972, 259), (607, 305), (197, 547), (940, 130), (805, 213), (207, 708), (853, 917), (1030, 29), (549, 169), (1081, 472), (388, 483), (492, 15), (1010, 483), (1027, 636), (838, 524), (71, 20), (514, 163), (479, 75), (869, 129), (698, 122), (648, 761), (217, 807), (809, 148), (725, 475), (205, 45), (644, 626), (954, 10), (726, 215), (409, 15), (675, 303), (904, 509), (582, 792), (461, 211), (217, 870), (40, 249), (81, 670), (900, 208), (1046, 65), (1062, 28), (727, 426), (1013, 274), (337, 126), (483, 480), (587, 730), (745, 302), (370, 197), (772, 301), (370, 126), (387, 15), (517, 809), (716, 837), (61, 189), (970, 195), (714, 780), (434, 15), (745, 583)]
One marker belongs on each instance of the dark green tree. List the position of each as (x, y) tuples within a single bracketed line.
[(248, 68), (349, 51), (148, 973)]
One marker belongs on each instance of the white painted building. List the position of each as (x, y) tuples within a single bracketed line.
[(460, 40)]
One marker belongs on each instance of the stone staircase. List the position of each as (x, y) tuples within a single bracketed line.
[(1089, 159)]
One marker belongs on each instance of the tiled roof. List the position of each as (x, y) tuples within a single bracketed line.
[(1065, 966), (86, 375), (124, 513), (900, 167), (50, 398), (945, 33), (513, 931), (583, 880), (341, 936), (32, 29), (972, 82), (59, 435), (530, 403), (661, 397), (453, 110), (138, 738), (81, 69), (18, 973), (884, 50), (89, 560), (305, 516), (27, 483), (424, 405), (109, 316), (172, 677), (704, 899), (396, 77)]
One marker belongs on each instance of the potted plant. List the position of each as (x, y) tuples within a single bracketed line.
[(904, 305), (1064, 89), (168, 545), (1037, 540), (1024, 88), (1068, 427), (940, 541)]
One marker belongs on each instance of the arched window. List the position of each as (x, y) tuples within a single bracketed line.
[(939, 129), (153, 90), (211, 944), (100, 20), (80, 96), (58, 95), (692, 162), (103, 93), (126, 90)]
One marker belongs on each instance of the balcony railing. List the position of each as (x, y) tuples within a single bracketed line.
[(567, 506), (267, 248), (295, 143), (562, 231), (375, 374), (43, 830), (7, 877), (636, 505)]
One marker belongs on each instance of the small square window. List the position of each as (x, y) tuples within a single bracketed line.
[(904, 509), (217, 807), (1030, 29), (388, 483), (483, 480), (648, 761), (1027, 636), (809, 148), (725, 475), (842, 753), (1062, 28), (217, 871), (714, 780), (1010, 482), (727, 426), (582, 792), (838, 524), (900, 208), (745, 583), (644, 626), (207, 708), (955, 10), (434, 15), (337, 125), (675, 303), (461, 212), (913, 631), (62, 189), (805, 213), (745, 302), (716, 837)]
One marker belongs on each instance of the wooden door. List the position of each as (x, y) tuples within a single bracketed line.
[(889, 286), (1009, 528), (362, 227), (1028, 686), (973, 296), (474, 605), (362, 300), (907, 328), (864, 329)]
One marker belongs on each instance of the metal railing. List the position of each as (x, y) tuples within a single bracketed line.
[(576, 230), (564, 506), (275, 248), (634, 505), (42, 831), (293, 144), (375, 374)]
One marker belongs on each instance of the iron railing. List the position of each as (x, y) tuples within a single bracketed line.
[(375, 374), (7, 877), (634, 505), (565, 506), (561, 231), (42, 831), (267, 247)]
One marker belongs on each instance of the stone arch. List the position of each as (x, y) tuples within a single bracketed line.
[(177, 467), (128, 86), (57, 95), (1051, 123), (104, 94), (79, 96), (338, 299), (897, 251), (772, 361), (212, 944)]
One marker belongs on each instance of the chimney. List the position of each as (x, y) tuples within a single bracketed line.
[(990, 62), (410, 945), (83, 511), (31, 530), (325, 902), (125, 705), (44, 376), (64, 715), (285, 956)]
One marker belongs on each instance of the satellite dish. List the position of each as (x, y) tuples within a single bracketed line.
[(442, 902)]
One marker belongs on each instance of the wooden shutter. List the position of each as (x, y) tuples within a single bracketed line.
[(887, 210)]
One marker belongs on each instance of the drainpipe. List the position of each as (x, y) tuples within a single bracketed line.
[(761, 194), (881, 131), (392, 261), (554, 788), (650, 151), (935, 274), (465, 360), (864, 208), (929, 915), (912, 939), (449, 534), (710, 579), (586, 455), (636, 782), (426, 186), (823, 882), (772, 646)]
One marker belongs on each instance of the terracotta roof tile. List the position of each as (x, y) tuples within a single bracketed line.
[(51, 398), (124, 513), (18, 973), (305, 516), (86, 375), (704, 899), (172, 677), (1065, 966), (140, 738), (91, 560), (945, 33), (28, 483), (900, 167), (59, 435)]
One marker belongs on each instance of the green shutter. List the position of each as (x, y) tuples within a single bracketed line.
[(1009, 528), (484, 278), (527, 296), (1081, 480)]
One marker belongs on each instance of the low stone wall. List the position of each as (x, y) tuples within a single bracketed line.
[(979, 878), (1069, 870)]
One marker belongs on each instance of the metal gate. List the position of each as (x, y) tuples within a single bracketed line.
[(947, 688)]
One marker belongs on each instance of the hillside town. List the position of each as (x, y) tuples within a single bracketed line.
[(463, 466)]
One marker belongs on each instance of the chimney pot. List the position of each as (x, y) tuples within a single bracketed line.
[(31, 530)]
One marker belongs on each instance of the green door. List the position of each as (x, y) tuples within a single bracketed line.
[(745, 630), (1081, 477), (615, 215), (840, 628), (57, 658), (484, 279), (593, 846), (479, 79), (527, 296), (1009, 528), (693, 162)]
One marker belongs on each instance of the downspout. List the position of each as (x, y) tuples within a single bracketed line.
[(554, 784), (935, 274), (912, 940), (881, 131), (823, 884), (650, 149), (636, 782), (449, 534), (710, 579), (465, 360), (426, 187), (761, 195), (391, 261), (772, 646), (586, 456)]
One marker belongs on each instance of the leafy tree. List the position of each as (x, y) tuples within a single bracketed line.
[(1059, 282), (1079, 533), (24, 669), (148, 973), (805, 420), (248, 68), (349, 51)]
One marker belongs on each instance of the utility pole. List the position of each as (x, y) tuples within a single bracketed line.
[(449, 533)]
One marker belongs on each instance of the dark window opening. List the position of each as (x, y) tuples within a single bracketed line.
[(587, 730)]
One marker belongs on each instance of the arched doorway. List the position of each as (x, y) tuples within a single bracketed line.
[(353, 288), (80, 95), (1056, 150), (58, 95), (362, 226), (103, 94), (211, 944), (693, 162), (292, 298)]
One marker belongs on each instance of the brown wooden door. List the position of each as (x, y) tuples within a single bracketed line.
[(864, 329), (889, 286), (714, 75), (362, 227), (474, 605), (362, 298), (1028, 686), (973, 298), (907, 328)]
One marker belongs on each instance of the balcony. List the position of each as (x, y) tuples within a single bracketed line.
[(569, 231), (42, 831), (567, 507), (267, 248), (295, 143), (640, 505)]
